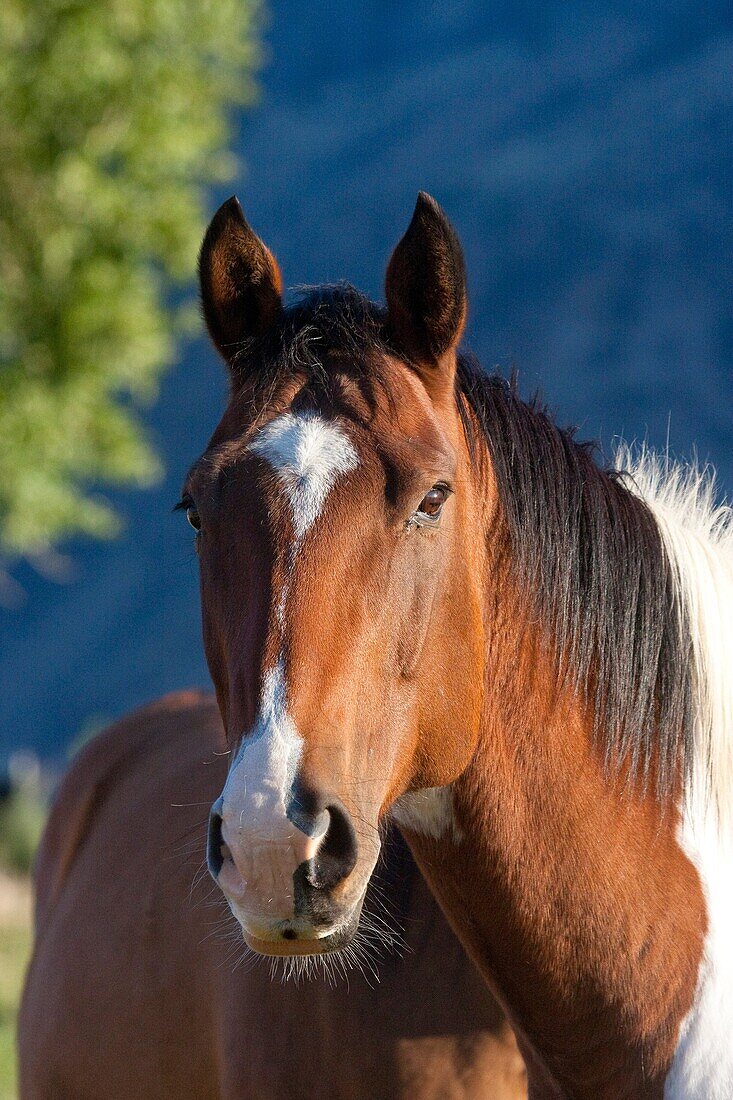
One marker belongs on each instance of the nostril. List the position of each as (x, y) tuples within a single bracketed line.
[(337, 852), (214, 843)]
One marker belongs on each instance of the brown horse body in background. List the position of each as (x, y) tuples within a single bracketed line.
[(132, 992)]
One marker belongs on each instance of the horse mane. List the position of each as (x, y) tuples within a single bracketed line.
[(590, 557), (630, 569), (603, 553), (697, 530)]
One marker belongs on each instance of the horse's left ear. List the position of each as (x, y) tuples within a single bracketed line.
[(426, 294)]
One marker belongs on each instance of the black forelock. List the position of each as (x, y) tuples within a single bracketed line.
[(324, 324)]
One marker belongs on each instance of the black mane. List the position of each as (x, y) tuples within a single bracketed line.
[(587, 550), (590, 556)]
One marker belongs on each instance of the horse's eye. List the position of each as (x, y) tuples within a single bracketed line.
[(432, 503), (193, 518)]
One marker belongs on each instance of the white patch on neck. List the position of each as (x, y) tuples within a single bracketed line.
[(309, 454), (698, 539), (428, 812), (703, 1062)]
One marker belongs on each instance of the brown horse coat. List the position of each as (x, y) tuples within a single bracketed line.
[(132, 992)]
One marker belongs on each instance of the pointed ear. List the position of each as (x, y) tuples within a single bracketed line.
[(240, 281), (426, 291)]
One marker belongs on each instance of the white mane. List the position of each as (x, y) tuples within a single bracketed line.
[(698, 536)]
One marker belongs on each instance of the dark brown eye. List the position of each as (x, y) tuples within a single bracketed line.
[(432, 503), (193, 518)]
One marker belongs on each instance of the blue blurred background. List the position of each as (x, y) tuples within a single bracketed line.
[(583, 152)]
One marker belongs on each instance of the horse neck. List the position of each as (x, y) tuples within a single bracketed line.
[(572, 895)]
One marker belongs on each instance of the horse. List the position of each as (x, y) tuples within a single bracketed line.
[(139, 989), (424, 601)]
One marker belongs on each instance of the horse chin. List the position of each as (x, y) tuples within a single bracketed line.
[(293, 940)]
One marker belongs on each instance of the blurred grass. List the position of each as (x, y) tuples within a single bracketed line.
[(22, 816), (15, 947)]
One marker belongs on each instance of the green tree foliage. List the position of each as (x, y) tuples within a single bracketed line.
[(113, 120)]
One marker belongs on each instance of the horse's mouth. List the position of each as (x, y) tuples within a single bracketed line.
[(293, 938)]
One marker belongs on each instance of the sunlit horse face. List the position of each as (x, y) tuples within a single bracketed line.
[(339, 541)]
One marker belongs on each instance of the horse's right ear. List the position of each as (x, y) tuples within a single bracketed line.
[(426, 295), (240, 281)]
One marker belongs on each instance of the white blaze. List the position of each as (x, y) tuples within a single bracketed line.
[(273, 749), (308, 454), (266, 846)]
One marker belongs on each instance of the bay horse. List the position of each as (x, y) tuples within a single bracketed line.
[(137, 989), (423, 600)]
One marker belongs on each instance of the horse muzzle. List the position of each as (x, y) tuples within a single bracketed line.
[(295, 880)]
